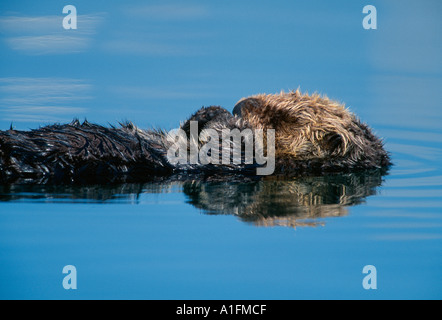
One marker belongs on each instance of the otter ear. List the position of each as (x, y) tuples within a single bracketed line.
[(238, 107), (245, 103)]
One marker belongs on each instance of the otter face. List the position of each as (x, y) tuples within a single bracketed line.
[(313, 128)]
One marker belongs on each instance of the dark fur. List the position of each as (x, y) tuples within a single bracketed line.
[(85, 153)]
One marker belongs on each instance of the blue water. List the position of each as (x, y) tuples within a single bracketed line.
[(305, 238)]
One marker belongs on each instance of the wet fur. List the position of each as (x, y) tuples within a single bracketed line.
[(314, 132), (313, 135)]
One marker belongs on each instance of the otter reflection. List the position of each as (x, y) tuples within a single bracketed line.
[(266, 202), (274, 202)]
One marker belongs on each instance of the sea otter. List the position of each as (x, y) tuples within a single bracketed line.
[(312, 135)]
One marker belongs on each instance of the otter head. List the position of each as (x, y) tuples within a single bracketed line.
[(311, 127)]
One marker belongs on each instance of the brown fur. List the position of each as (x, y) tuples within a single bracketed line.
[(313, 129)]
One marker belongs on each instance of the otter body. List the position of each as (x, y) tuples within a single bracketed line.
[(313, 135)]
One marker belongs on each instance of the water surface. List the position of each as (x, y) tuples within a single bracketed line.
[(274, 239)]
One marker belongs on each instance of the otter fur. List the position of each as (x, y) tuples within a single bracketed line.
[(313, 135), (313, 132)]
